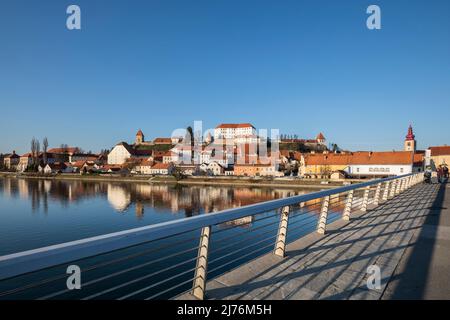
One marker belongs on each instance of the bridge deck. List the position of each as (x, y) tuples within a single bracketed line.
[(407, 237)]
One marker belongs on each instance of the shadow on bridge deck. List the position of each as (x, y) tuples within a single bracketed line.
[(424, 272), (334, 265)]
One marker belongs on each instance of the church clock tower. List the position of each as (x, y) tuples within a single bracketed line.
[(410, 141)]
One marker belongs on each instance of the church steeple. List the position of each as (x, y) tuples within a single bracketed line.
[(410, 140)]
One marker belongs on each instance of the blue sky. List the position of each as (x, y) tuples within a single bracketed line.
[(300, 66)]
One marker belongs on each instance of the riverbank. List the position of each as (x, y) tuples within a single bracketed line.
[(286, 182)]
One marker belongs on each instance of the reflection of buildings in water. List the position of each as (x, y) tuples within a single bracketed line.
[(118, 197), (337, 203), (190, 200), (7, 187), (23, 188), (47, 185), (245, 222), (139, 209)]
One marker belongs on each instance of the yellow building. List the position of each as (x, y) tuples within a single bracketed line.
[(440, 156), (316, 165)]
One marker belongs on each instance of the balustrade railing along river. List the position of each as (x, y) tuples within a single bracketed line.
[(167, 259)]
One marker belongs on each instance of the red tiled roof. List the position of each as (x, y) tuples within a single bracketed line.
[(440, 150), (297, 155), (26, 155), (79, 164), (160, 165), (146, 163), (320, 136), (64, 150), (361, 158), (285, 153), (163, 140), (234, 125)]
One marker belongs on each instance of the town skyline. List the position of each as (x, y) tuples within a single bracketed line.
[(25, 149), (300, 67)]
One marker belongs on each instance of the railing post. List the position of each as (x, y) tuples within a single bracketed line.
[(376, 200), (365, 199), (386, 190), (393, 188), (280, 244), (398, 187), (348, 206), (322, 226), (199, 285), (402, 185), (410, 182)]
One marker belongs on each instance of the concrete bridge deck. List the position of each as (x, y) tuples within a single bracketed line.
[(408, 237)]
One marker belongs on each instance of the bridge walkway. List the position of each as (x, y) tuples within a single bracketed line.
[(407, 237)]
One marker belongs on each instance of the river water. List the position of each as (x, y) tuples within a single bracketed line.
[(36, 213)]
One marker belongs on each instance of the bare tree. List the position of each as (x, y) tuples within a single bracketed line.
[(38, 150), (44, 149), (64, 148), (33, 150)]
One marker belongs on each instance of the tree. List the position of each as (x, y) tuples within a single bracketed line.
[(190, 138), (38, 150), (335, 147), (178, 173), (33, 150), (44, 149), (64, 148)]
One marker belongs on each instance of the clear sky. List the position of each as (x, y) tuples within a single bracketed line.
[(300, 66)]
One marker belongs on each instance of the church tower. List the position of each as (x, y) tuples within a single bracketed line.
[(139, 137), (410, 141)]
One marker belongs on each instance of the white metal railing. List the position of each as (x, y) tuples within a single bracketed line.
[(372, 192)]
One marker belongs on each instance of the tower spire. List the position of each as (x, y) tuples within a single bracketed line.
[(410, 136), (410, 140)]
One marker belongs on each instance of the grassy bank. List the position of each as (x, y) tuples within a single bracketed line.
[(224, 181)]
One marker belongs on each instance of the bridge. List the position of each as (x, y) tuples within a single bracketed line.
[(320, 245)]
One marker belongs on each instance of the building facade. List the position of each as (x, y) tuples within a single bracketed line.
[(235, 131), (440, 156)]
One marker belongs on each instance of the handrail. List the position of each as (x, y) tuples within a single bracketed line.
[(37, 259)]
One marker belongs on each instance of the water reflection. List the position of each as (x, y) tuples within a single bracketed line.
[(125, 197)]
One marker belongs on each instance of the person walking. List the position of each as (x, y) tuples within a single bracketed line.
[(439, 174)]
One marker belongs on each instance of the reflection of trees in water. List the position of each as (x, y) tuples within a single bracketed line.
[(190, 200)]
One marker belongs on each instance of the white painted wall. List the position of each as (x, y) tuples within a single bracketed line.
[(118, 155), (379, 169)]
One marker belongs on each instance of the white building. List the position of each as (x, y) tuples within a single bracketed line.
[(392, 163), (162, 168), (213, 168), (120, 153), (234, 130), (123, 151)]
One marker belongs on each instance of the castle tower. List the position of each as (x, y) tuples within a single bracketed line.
[(139, 137), (320, 138), (410, 141)]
